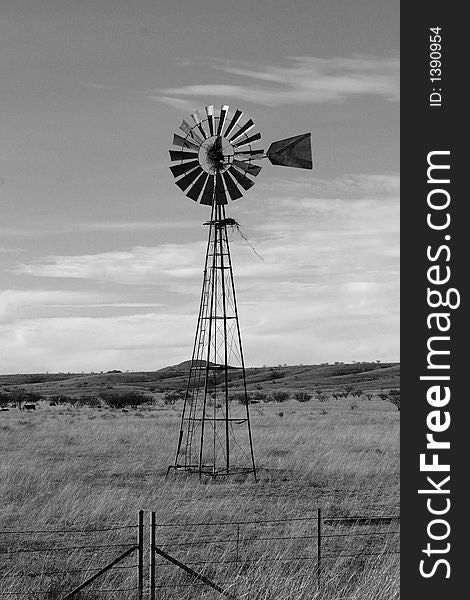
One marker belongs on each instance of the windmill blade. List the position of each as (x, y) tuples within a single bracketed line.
[(198, 121), (292, 152), (186, 128), (208, 193), (253, 138), (236, 117), (241, 178), (220, 195), (184, 142), (210, 118), (186, 181), (196, 189), (223, 113), (181, 155), (231, 186), (178, 170), (251, 169), (244, 129)]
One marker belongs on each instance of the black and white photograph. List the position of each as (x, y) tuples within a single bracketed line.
[(200, 300)]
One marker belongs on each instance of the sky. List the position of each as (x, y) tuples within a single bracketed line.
[(101, 255)]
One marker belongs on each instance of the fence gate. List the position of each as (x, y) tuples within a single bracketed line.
[(156, 551)]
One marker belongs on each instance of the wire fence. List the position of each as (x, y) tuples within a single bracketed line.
[(183, 558), (46, 564)]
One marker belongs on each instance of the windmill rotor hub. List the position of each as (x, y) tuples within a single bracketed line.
[(216, 155)]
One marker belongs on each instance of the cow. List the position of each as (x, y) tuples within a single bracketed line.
[(30, 406)]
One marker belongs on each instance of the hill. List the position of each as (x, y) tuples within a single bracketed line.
[(370, 377)]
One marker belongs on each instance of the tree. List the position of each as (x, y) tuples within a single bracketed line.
[(19, 396)]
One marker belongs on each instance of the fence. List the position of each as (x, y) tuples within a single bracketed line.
[(59, 563), (179, 559)]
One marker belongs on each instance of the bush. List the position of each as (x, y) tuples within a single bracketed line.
[(123, 399), (172, 397), (394, 398), (20, 396), (280, 396), (5, 399), (303, 396), (91, 401), (354, 405), (260, 396)]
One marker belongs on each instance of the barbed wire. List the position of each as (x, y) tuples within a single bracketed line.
[(32, 531), (62, 572), (60, 549)]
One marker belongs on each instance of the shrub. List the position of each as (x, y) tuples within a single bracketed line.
[(394, 398), (260, 396), (123, 399), (303, 396), (274, 374), (5, 399), (242, 398), (20, 396), (354, 405), (280, 396), (91, 401), (323, 411), (172, 397)]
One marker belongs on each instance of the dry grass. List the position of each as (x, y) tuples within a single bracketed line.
[(65, 467)]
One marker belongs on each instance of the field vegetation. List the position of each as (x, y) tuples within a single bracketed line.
[(78, 460)]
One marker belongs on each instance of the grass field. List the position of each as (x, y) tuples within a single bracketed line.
[(63, 466)]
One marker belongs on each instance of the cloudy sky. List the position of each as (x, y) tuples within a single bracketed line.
[(101, 254)]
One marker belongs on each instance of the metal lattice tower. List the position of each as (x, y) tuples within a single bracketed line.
[(216, 162)]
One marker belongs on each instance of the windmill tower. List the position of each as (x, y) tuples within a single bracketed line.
[(215, 161)]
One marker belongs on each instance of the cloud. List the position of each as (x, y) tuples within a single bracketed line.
[(145, 265), (327, 289), (16, 303), (304, 80), (82, 343)]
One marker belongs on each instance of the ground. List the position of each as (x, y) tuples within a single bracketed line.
[(66, 467)]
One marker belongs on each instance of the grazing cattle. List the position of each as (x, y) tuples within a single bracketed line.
[(30, 406), (4, 409), (281, 414), (52, 403)]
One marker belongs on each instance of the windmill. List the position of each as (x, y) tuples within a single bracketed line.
[(216, 161)]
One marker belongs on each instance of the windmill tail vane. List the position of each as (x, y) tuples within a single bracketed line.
[(215, 161)]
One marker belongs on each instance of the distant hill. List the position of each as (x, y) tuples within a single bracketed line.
[(367, 376)]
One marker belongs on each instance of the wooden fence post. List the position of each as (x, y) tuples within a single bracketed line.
[(318, 547), (152, 555), (140, 555)]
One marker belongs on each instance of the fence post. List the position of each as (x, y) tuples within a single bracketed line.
[(140, 555), (238, 541), (152, 555), (318, 547)]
